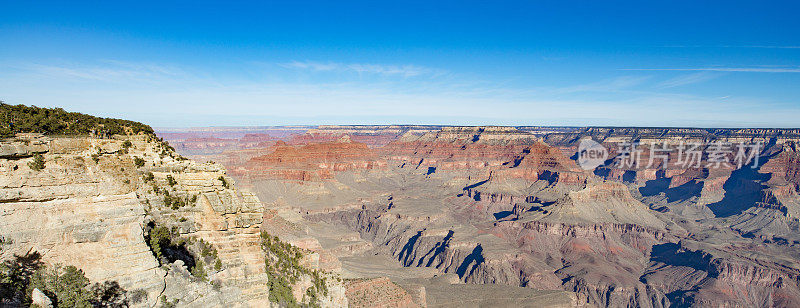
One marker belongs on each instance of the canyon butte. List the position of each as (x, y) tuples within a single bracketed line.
[(100, 212)]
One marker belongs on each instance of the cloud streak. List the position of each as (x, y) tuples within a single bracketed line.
[(735, 46), (362, 68), (724, 69), (688, 79), (608, 85), (109, 71)]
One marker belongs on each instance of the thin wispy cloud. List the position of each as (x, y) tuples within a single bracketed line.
[(724, 69), (106, 71), (146, 68), (734, 46), (314, 66), (688, 79), (363, 68), (165, 94), (609, 85), (770, 47)]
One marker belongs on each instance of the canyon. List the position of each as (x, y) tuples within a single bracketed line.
[(409, 216), (483, 211)]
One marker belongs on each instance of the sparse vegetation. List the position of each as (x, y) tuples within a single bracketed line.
[(209, 254), (138, 161), (55, 121), (159, 239), (174, 202), (171, 181), (66, 286), (38, 162), (165, 303), (168, 246), (224, 182), (199, 271), (171, 201), (284, 270)]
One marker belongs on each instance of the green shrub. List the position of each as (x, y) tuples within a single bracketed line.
[(198, 271), (167, 304), (138, 161), (16, 275), (65, 286), (206, 249), (137, 296), (111, 294), (68, 285), (209, 254), (38, 162), (55, 121), (171, 181), (173, 202), (159, 238), (282, 264), (167, 246)]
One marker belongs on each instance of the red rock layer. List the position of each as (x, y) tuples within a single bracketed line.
[(543, 162), (315, 161), (785, 165)]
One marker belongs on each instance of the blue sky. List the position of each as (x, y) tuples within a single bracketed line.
[(670, 63)]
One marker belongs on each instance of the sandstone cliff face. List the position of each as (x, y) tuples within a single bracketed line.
[(90, 205), (77, 211)]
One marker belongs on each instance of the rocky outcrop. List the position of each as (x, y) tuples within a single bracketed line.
[(378, 292), (91, 203), (80, 212)]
